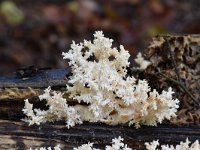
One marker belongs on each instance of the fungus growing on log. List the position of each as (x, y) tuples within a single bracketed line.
[(103, 90)]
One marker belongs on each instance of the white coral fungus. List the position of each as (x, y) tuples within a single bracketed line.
[(117, 144), (141, 61), (49, 148), (182, 146), (111, 96), (58, 110)]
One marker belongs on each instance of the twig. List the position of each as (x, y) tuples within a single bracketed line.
[(182, 86), (173, 60), (170, 79), (179, 82)]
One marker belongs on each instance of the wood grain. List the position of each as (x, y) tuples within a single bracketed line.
[(18, 135), (42, 79)]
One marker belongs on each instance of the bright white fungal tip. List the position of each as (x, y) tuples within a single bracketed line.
[(100, 80), (152, 145)]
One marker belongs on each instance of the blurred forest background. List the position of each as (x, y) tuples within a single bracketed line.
[(36, 32)]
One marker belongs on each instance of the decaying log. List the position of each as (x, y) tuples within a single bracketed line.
[(15, 134), (39, 80), (20, 136), (17, 88), (14, 90)]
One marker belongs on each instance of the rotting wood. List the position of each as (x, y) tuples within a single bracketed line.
[(42, 79), (20, 136), (15, 88)]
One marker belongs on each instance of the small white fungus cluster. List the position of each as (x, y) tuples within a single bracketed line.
[(142, 62), (117, 144), (99, 79), (182, 146), (49, 148)]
